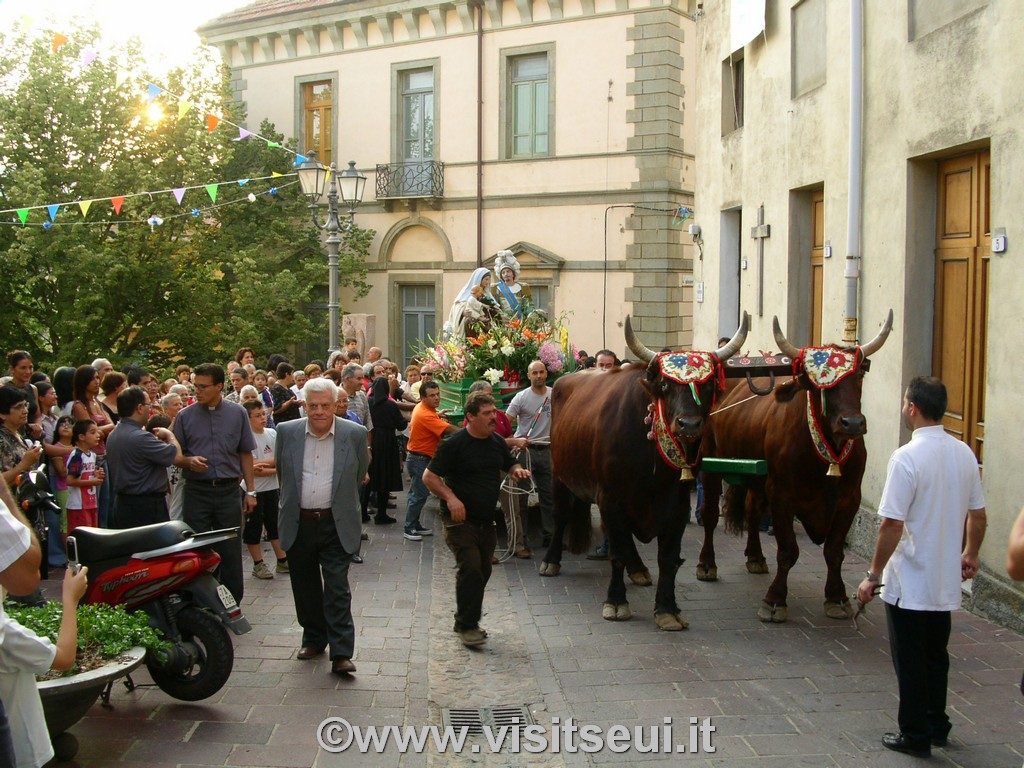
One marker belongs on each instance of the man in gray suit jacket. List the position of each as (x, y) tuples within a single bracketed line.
[(321, 461)]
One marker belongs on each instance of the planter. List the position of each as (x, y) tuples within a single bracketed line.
[(453, 395), (67, 699)]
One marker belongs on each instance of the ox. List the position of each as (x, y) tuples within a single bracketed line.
[(601, 453), (811, 432)]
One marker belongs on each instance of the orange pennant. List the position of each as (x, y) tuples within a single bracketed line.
[(117, 202), (59, 41), (211, 123)]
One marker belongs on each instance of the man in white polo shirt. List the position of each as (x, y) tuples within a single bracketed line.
[(933, 485)]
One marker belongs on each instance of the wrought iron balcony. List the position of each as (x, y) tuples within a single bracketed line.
[(412, 179)]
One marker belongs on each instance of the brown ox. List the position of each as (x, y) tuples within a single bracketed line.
[(800, 483), (601, 454)]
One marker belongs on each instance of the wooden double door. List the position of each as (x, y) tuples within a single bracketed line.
[(962, 254)]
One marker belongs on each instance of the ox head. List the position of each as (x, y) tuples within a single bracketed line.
[(683, 384), (837, 374)]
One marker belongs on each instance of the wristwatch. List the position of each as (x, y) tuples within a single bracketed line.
[(872, 577), (251, 493)]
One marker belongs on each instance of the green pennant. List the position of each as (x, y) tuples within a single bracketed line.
[(273, 144), (23, 214), (211, 190)]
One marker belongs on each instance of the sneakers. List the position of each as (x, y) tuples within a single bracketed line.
[(283, 567), (471, 638), (423, 531), (260, 571), (601, 553), (412, 535)]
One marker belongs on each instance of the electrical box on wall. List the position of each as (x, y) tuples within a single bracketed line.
[(827, 249), (699, 294), (999, 240)]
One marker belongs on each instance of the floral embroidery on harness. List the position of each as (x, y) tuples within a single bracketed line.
[(692, 369), (826, 367)]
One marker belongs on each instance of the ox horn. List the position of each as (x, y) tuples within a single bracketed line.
[(634, 344), (876, 343), (785, 347), (730, 349)]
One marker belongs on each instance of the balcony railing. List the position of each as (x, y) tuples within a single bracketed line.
[(417, 178)]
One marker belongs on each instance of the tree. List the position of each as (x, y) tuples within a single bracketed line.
[(194, 287)]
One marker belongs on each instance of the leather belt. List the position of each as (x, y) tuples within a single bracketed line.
[(215, 482), (314, 514), (421, 455)]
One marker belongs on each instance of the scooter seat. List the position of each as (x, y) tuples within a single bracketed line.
[(97, 544)]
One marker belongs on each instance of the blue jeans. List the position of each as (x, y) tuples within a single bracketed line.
[(418, 493)]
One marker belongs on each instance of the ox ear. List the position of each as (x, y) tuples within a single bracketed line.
[(786, 391)]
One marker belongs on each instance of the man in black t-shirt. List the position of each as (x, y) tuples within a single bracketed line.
[(471, 462)]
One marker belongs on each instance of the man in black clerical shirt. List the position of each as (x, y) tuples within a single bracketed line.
[(466, 475)]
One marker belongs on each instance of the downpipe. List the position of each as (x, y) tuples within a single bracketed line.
[(855, 177)]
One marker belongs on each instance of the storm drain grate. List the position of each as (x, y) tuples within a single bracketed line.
[(495, 717)]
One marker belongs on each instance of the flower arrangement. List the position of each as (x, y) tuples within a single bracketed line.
[(502, 351)]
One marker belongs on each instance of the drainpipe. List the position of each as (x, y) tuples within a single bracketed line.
[(479, 134), (855, 183)]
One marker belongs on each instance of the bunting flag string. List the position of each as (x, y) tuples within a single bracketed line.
[(118, 200), (154, 221)]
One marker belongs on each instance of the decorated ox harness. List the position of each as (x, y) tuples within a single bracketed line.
[(691, 368), (826, 367)]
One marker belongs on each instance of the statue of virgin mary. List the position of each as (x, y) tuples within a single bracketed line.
[(473, 304)]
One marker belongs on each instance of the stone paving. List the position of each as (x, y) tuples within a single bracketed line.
[(813, 692)]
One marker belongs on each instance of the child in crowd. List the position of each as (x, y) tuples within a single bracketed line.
[(84, 477), (59, 481), (267, 495), (23, 655)]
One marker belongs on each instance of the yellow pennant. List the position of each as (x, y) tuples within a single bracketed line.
[(84, 205), (183, 108), (275, 173)]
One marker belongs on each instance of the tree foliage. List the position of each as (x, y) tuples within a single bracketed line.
[(240, 273)]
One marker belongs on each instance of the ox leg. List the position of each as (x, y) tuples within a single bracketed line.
[(638, 573), (774, 608), (666, 609), (756, 507), (620, 541), (707, 568), (837, 602), (566, 506)]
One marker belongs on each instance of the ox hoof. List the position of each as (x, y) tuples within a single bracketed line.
[(550, 569), (670, 622), (641, 578), (774, 614), (612, 612), (757, 566), (707, 574), (836, 610)]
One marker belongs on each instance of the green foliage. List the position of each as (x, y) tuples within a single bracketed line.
[(192, 288), (104, 631)]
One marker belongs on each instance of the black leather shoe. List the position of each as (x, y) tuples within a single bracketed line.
[(308, 652), (940, 740), (357, 559), (342, 666), (384, 520), (897, 742)]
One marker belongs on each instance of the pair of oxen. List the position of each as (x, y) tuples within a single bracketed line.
[(631, 441)]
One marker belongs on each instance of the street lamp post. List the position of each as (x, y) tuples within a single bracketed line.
[(313, 177)]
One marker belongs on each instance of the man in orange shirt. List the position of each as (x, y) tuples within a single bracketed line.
[(425, 433)]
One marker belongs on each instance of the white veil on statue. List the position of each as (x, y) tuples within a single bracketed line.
[(466, 306)]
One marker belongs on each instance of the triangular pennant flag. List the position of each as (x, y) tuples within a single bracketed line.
[(179, 193), (53, 210), (274, 174), (23, 214), (244, 134), (299, 160), (84, 205), (117, 202), (211, 190), (212, 121), (273, 145), (88, 57), (152, 91), (59, 41), (183, 108), (243, 182), (120, 77)]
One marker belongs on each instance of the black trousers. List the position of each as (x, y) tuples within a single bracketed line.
[(319, 579), (131, 510), (208, 508), (919, 641), (472, 544)]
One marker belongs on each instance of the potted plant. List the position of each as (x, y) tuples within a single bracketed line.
[(111, 643)]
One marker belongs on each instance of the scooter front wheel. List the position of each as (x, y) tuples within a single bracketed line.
[(201, 665)]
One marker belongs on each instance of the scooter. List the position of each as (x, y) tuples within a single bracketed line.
[(166, 569)]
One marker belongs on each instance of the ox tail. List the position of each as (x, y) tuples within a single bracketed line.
[(735, 509)]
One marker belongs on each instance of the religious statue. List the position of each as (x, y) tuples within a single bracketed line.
[(473, 305), (513, 297)]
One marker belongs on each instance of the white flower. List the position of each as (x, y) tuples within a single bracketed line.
[(492, 343), (493, 375), (507, 350)]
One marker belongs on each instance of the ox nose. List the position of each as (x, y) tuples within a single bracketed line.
[(854, 425), (688, 424)]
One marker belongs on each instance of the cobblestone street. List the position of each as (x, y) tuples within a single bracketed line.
[(812, 692)]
